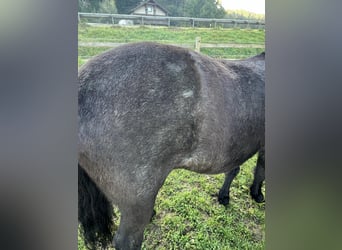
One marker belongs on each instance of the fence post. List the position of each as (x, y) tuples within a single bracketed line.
[(198, 44)]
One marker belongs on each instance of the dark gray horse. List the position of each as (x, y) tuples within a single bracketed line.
[(146, 109), (259, 171)]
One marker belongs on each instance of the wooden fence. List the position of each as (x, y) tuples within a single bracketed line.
[(197, 45), (114, 19)]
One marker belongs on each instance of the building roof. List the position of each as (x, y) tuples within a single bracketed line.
[(152, 2)]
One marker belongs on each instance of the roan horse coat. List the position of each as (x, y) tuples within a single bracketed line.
[(146, 109)]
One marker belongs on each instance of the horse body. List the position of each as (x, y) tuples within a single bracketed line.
[(257, 64), (146, 109), (231, 115)]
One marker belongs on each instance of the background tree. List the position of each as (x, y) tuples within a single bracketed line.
[(243, 14), (194, 8), (175, 7), (124, 6), (204, 8), (108, 6), (189, 8), (88, 5), (100, 6)]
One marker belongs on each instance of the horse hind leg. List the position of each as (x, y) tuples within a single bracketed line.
[(135, 215), (259, 177), (223, 196)]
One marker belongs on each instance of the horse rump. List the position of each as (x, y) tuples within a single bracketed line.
[(95, 213)]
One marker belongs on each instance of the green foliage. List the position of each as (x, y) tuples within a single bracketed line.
[(83, 6), (100, 6), (243, 14), (108, 6), (124, 6), (176, 7), (88, 5), (193, 8), (204, 8)]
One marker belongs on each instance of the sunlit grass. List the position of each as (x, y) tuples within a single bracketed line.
[(185, 36), (179, 35)]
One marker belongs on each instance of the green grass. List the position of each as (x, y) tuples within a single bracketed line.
[(179, 35), (172, 36), (231, 53), (188, 214)]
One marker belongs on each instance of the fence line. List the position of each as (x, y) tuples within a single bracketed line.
[(197, 45), (110, 44), (168, 20)]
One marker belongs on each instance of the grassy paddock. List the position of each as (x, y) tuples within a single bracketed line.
[(188, 214), (165, 35)]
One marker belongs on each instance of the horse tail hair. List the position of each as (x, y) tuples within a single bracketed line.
[(95, 213)]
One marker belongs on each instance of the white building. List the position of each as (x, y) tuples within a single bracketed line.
[(149, 8)]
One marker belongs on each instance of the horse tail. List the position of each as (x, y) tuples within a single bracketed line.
[(95, 213)]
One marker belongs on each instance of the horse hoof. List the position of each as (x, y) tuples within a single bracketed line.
[(223, 200), (259, 198), (256, 194)]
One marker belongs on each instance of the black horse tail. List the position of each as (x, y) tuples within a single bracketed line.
[(95, 213)]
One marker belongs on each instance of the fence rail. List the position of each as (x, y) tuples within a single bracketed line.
[(171, 21), (197, 45)]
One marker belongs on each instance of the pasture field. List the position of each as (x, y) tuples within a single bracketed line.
[(185, 36), (188, 215)]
